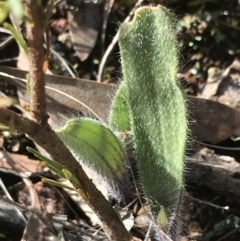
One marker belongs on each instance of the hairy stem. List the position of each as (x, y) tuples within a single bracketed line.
[(47, 138), (35, 31)]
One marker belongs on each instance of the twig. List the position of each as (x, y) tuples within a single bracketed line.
[(94, 234), (218, 147), (148, 232), (107, 10), (229, 25), (11, 199), (40, 176), (34, 197), (113, 43), (40, 131), (6, 42), (35, 36), (210, 204), (44, 136), (65, 63), (229, 234), (5, 189)]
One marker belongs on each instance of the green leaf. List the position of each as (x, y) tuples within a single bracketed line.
[(17, 36), (48, 162), (16, 8), (71, 177), (235, 138), (163, 218), (119, 113), (4, 11), (48, 14), (42, 157), (95, 145), (55, 183), (149, 57), (55, 169)]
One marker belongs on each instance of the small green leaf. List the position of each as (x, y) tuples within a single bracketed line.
[(235, 138), (17, 36), (48, 14), (55, 169), (42, 157), (119, 113), (48, 162), (71, 177), (96, 146), (55, 183), (116, 209), (74, 180), (163, 218), (4, 128), (4, 11)]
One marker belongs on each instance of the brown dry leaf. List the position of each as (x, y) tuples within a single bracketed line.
[(30, 165), (218, 173), (59, 25), (48, 195), (212, 84), (96, 96), (7, 101), (39, 228), (84, 27), (210, 121), (102, 187), (23, 61), (224, 86), (229, 89)]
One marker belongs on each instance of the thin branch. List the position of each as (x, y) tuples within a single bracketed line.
[(44, 136), (114, 42), (5, 191), (35, 202), (65, 63), (40, 131), (107, 10)]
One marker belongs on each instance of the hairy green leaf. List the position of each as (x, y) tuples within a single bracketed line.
[(96, 146), (149, 57), (119, 114), (16, 8)]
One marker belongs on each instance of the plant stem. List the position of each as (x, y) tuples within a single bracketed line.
[(40, 131), (35, 31), (47, 138)]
